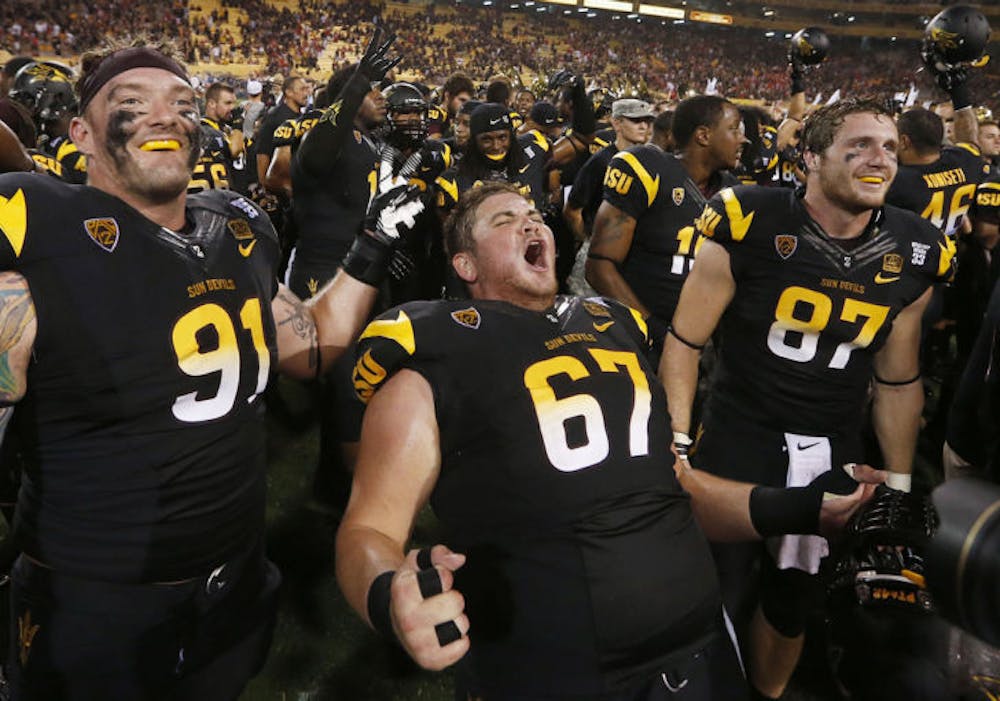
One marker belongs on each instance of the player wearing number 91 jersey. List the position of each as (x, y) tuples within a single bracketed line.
[(554, 481), (135, 422)]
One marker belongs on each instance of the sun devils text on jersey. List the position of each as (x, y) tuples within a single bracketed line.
[(583, 556), (810, 311), (652, 187), (143, 465)]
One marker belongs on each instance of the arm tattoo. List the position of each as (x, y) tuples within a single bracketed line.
[(300, 321), (16, 312)]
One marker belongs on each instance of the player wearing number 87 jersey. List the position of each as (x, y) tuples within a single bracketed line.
[(815, 295)]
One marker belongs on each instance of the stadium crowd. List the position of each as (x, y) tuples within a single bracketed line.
[(644, 312)]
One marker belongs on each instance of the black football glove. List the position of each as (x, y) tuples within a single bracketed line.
[(950, 77), (562, 78), (375, 64), (235, 118)]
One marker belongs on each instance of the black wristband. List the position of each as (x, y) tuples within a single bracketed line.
[(693, 346), (779, 511), (960, 97), (379, 600), (782, 511), (368, 260), (900, 383)]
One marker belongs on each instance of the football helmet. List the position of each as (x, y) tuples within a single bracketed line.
[(957, 34), (405, 98), (809, 46), (46, 89), (601, 99)]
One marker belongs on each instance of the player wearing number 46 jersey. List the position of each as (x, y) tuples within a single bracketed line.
[(535, 426), (815, 295), (138, 329)]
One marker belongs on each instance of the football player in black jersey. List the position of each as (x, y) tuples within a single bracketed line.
[(457, 90), (632, 122), (221, 140), (818, 299), (644, 238), (572, 565), (151, 321)]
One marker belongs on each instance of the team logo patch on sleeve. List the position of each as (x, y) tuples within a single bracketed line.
[(598, 310), (467, 317), (103, 232), (892, 263), (241, 231), (678, 195), (785, 245)]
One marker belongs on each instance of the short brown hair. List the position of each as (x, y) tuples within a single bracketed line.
[(821, 126), (460, 224), (215, 90), (458, 82)]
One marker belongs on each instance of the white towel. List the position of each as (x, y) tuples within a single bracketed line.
[(808, 457)]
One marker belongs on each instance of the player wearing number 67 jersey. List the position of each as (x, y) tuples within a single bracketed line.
[(815, 295), (139, 327), (535, 426)]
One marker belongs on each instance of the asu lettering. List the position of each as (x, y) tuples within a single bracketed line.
[(618, 181)]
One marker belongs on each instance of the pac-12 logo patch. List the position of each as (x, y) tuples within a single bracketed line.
[(892, 263), (678, 195), (103, 232), (467, 317), (598, 310), (785, 245)]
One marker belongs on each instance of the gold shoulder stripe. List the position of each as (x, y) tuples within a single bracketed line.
[(971, 148), (738, 223), (399, 330), (989, 186), (945, 261), (542, 142), (446, 155), (14, 220), (65, 149), (649, 183), (640, 322), (448, 186)]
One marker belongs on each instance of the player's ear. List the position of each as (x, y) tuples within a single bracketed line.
[(80, 134), (702, 135), (811, 160), (465, 267)]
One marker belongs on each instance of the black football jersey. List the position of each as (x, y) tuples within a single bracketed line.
[(786, 169), (763, 170), (530, 178), (585, 566), (652, 187), (587, 192), (940, 192), (569, 171), (291, 131), (809, 312), (212, 171), (329, 211), (987, 205), (72, 163), (143, 418)]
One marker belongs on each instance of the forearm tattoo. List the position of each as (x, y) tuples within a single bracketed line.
[(16, 312), (300, 321)]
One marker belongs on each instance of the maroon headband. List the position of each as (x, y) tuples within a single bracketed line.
[(125, 60)]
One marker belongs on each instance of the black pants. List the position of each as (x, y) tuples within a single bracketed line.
[(76, 639)]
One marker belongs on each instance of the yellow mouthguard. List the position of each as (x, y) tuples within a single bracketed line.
[(161, 145), (873, 179), (496, 157)]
